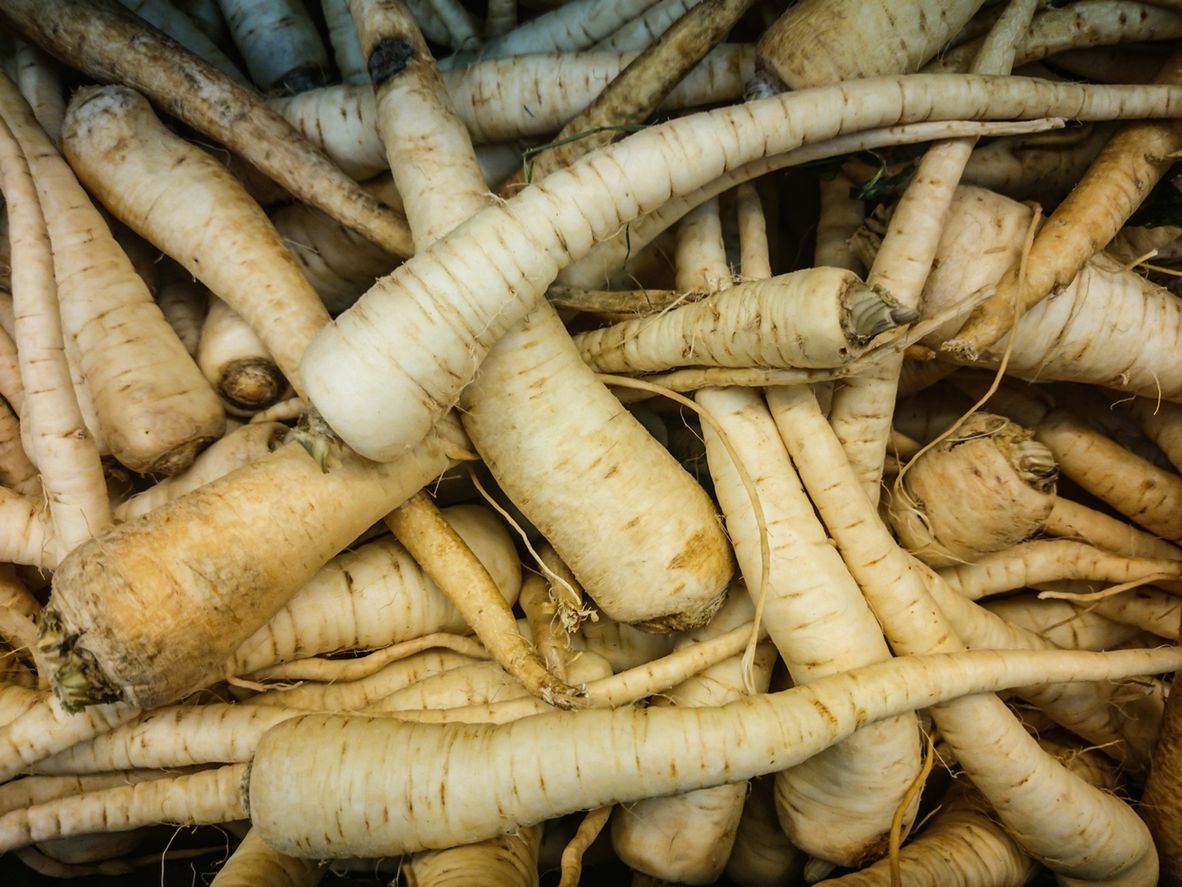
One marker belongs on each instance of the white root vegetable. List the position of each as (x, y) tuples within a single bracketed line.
[(597, 756), (687, 838), (346, 48), (202, 798), (646, 28), (380, 405), (760, 856), (240, 447), (184, 30), (254, 864), (150, 178), (509, 860), (818, 317), (838, 805)]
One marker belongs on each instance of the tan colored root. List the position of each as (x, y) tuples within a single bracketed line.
[(1070, 520), (572, 854), (988, 487), (254, 864), (510, 860), (459, 574)]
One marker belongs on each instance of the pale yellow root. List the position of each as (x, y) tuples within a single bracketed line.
[(16, 471), (840, 217), (202, 798), (254, 864), (453, 567), (572, 854), (813, 43), (335, 670), (509, 860), (1070, 520), (598, 757), (761, 856)]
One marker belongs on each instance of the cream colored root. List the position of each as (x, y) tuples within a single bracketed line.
[(254, 864), (429, 151), (30, 791), (40, 83), (1062, 623), (1041, 168), (11, 387), (262, 282), (545, 629), (616, 691), (612, 253), (962, 844), (667, 565), (984, 489), (28, 533), (809, 46), (154, 410), (195, 799), (456, 570), (112, 46), (356, 695), (841, 215), (636, 92), (1087, 23), (1071, 520), (16, 471), (862, 408), (1040, 561), (240, 447), (1140, 491), (1147, 608), (333, 670), (375, 596), (622, 645), (838, 805), (1162, 423), (66, 456), (172, 737), (184, 303), (761, 857), (818, 317), (500, 19), (338, 262), (509, 860), (236, 362), (655, 751), (687, 838), (14, 594), (45, 728), (981, 730)]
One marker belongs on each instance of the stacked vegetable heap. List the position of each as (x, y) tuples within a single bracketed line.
[(766, 448)]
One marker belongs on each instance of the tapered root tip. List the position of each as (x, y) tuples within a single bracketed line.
[(74, 674)]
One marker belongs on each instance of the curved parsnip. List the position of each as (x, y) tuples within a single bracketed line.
[(391, 364), (184, 30), (667, 561), (595, 756), (187, 204), (503, 861), (40, 83), (645, 29), (151, 610), (342, 34)]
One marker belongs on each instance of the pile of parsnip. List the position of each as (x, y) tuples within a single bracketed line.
[(728, 441)]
